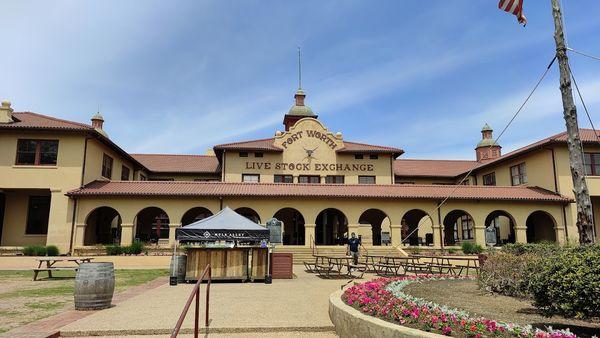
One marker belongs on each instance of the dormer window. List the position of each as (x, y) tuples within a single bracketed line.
[(358, 156), (243, 154), (373, 156)]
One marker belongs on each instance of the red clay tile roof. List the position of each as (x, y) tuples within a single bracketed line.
[(272, 190), (587, 136), (432, 168), (262, 145), (267, 145), (354, 147), (29, 120), (168, 163)]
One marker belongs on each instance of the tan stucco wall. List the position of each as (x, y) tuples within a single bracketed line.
[(58, 179), (93, 165), (295, 153), (185, 177)]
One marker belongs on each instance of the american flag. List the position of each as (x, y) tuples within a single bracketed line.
[(514, 7)]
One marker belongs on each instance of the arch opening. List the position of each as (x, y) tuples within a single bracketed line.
[(331, 228), (417, 228), (540, 227), (379, 222), (504, 224), (249, 213), (151, 225), (458, 226), (103, 226), (195, 214), (293, 226)]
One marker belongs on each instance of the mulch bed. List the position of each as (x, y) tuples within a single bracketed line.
[(465, 295)]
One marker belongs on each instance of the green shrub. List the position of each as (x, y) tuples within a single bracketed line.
[(544, 248), (568, 282), (34, 250), (113, 249), (135, 248), (470, 248), (506, 273), (52, 250)]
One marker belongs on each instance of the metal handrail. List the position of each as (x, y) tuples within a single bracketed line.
[(195, 294)]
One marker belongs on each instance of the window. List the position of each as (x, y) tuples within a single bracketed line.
[(591, 164), (518, 175), (309, 179), (258, 154), (124, 173), (243, 154), (107, 163), (37, 152), (251, 178), (403, 182), (489, 179), (38, 212), (373, 156), (283, 179), (334, 179), (366, 179), (358, 156), (466, 223), (143, 177)]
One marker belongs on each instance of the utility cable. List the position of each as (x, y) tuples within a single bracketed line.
[(583, 54), (587, 113), (468, 174)]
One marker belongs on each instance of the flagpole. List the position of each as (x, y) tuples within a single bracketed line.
[(585, 217)]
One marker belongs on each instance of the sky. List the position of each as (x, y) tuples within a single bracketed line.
[(182, 76)]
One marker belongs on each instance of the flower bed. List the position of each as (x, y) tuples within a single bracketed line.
[(384, 298)]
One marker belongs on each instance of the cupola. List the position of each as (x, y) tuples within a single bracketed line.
[(298, 111), (487, 149), (6, 112), (98, 122)]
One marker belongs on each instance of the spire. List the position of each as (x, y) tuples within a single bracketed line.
[(299, 69)]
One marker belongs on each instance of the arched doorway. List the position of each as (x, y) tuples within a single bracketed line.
[(102, 226), (540, 227), (416, 223), (375, 218), (331, 227), (293, 226), (504, 224), (249, 213), (151, 225), (195, 214), (458, 226)]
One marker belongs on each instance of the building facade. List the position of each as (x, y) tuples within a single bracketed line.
[(69, 184)]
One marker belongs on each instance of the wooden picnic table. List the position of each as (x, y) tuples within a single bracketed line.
[(391, 265), (48, 264), (444, 262)]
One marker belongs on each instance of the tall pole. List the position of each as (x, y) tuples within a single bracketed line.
[(585, 218)]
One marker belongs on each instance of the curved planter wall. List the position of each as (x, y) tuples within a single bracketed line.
[(350, 323)]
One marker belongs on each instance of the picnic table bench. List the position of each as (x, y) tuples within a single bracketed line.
[(47, 265), (440, 263)]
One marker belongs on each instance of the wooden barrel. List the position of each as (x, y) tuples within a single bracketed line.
[(178, 268), (94, 286)]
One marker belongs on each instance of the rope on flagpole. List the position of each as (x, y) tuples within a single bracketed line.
[(468, 174), (584, 54)]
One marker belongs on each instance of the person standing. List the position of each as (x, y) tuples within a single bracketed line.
[(353, 244)]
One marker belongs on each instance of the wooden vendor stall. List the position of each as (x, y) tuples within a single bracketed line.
[(234, 246)]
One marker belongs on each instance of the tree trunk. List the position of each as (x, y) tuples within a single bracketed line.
[(585, 218)]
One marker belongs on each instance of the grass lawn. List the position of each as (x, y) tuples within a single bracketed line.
[(23, 300), (467, 296)]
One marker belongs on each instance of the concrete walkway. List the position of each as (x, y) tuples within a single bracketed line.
[(296, 305)]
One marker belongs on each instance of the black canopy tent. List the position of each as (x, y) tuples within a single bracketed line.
[(226, 225)]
